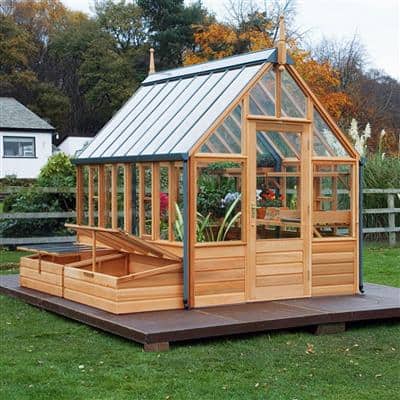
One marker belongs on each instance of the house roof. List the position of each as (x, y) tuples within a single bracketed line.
[(172, 110), (15, 116)]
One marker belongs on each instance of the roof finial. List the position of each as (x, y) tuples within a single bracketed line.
[(152, 68), (282, 41)]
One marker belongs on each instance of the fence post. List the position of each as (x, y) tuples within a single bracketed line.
[(391, 219)]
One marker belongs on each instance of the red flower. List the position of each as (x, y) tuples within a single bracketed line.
[(163, 202)]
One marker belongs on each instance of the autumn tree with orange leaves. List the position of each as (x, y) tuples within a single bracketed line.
[(219, 40)]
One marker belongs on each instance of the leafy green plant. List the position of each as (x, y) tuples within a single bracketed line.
[(204, 227), (228, 221)]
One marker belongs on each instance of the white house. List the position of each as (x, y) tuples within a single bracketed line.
[(25, 140), (73, 145)]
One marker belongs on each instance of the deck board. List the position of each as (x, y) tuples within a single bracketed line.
[(378, 302)]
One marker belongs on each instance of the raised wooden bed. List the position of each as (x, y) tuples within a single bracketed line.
[(126, 283), (126, 275), (44, 272)]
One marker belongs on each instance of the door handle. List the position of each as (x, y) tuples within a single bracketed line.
[(253, 211)]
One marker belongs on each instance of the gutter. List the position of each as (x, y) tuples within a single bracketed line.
[(360, 225), (185, 235), (132, 159)]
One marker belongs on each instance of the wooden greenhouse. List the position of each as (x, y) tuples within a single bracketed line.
[(219, 183)]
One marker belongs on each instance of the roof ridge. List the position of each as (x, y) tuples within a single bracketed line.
[(231, 62), (215, 60)]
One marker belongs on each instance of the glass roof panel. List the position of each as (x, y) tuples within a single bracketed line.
[(227, 137)]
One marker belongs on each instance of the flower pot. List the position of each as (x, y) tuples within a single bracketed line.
[(272, 213), (261, 211)]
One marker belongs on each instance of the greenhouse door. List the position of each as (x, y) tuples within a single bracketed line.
[(278, 241)]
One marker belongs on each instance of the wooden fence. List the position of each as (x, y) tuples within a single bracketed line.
[(390, 210)]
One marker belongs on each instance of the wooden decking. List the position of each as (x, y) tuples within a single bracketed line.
[(156, 329)]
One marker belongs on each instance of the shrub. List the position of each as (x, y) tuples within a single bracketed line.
[(58, 173)]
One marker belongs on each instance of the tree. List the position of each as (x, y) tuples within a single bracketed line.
[(124, 21), (107, 79), (66, 54), (16, 49), (169, 23), (211, 42), (324, 80)]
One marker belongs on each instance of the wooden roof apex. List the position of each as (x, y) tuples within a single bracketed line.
[(281, 46)]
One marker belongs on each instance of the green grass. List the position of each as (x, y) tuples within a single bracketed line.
[(382, 265), (43, 356)]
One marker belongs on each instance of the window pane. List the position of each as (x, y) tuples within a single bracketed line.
[(332, 200), (278, 185), (19, 147), (294, 102), (120, 196), (107, 211), (219, 206), (227, 137), (164, 202), (147, 199), (176, 198), (325, 142), (262, 96)]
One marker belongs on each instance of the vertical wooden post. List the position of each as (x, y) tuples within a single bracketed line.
[(391, 220), (114, 196), (251, 210), (79, 195), (128, 205), (243, 177), (93, 250), (306, 187), (90, 196), (101, 197), (155, 201)]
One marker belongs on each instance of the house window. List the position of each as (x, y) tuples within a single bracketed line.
[(19, 147)]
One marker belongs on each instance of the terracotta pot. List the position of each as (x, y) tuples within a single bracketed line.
[(261, 211), (273, 212)]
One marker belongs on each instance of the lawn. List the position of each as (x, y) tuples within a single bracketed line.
[(44, 356)]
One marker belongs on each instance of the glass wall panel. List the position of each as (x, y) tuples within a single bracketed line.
[(95, 199), (85, 206), (120, 196), (219, 205), (332, 200), (326, 144), (164, 202), (176, 201), (294, 102), (262, 96), (147, 200), (278, 185), (227, 137), (107, 211), (135, 199)]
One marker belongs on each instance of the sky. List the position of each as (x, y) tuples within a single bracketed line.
[(376, 22)]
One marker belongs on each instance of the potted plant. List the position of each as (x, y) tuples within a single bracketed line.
[(268, 203)]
